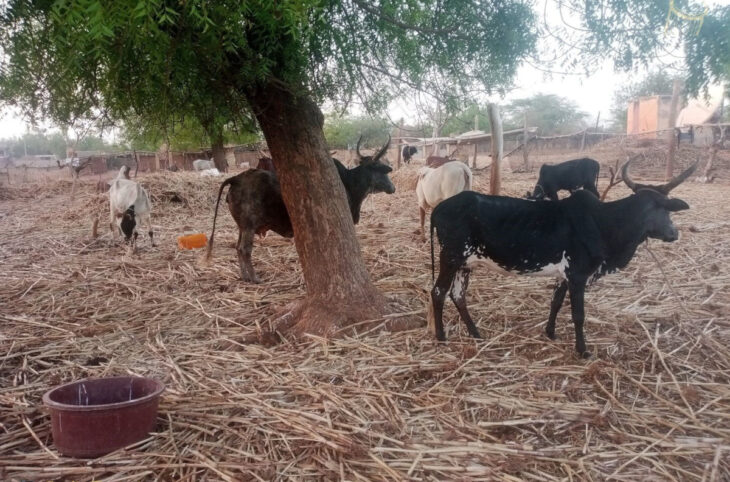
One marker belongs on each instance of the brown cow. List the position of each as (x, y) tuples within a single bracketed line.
[(255, 202)]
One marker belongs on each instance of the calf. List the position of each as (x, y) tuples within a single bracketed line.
[(203, 164), (435, 185), (568, 175), (578, 239), (127, 202), (255, 202), (408, 152)]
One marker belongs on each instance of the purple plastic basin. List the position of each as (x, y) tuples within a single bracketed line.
[(95, 416)]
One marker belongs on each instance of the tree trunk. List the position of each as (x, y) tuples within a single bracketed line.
[(339, 290), (219, 152)]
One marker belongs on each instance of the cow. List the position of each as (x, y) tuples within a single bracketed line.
[(408, 152), (568, 175), (435, 185), (578, 239), (266, 163), (255, 202), (128, 201), (438, 161), (203, 164)]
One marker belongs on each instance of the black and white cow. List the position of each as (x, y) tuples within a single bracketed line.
[(577, 239), (408, 152), (255, 202), (568, 175), (129, 207)]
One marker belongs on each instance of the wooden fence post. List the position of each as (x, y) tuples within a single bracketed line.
[(495, 181), (476, 128), (525, 140), (397, 144), (671, 136)]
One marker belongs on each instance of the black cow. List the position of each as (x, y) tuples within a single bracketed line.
[(577, 239), (568, 175), (408, 152), (256, 205), (266, 164)]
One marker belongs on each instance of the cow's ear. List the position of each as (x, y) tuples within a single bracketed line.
[(674, 205)]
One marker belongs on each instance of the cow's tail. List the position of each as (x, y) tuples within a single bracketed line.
[(209, 251)]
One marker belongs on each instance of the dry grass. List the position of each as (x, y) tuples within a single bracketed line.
[(653, 404)]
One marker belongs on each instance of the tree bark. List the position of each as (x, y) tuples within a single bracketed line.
[(219, 152), (339, 290)]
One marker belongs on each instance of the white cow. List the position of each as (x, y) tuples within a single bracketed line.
[(435, 185), (203, 164), (127, 202)]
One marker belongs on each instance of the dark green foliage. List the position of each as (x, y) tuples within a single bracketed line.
[(161, 60), (708, 51)]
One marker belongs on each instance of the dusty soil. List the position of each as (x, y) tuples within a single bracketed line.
[(652, 404)]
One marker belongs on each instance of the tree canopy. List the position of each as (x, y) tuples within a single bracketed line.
[(164, 60)]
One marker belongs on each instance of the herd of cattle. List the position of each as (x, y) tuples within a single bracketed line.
[(577, 239)]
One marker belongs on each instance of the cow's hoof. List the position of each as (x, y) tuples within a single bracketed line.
[(586, 355), (552, 336)]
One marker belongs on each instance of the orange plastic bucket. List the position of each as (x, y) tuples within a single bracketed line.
[(192, 241)]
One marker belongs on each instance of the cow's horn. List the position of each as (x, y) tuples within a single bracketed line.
[(676, 181), (382, 150), (357, 148), (625, 175)]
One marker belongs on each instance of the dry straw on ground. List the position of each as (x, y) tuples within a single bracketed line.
[(653, 404)]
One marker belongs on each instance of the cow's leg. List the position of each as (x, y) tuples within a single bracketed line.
[(558, 297), (112, 222), (422, 212), (458, 296), (447, 271), (133, 241), (577, 292), (244, 248), (148, 223)]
